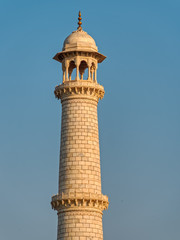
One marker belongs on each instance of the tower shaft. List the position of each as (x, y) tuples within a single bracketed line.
[(79, 156), (79, 201), (79, 175)]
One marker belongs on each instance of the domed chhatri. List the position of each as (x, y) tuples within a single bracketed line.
[(79, 43), (78, 54)]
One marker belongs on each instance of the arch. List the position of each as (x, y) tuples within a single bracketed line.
[(82, 67), (72, 65)]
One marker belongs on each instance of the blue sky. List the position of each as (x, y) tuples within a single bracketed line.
[(139, 117)]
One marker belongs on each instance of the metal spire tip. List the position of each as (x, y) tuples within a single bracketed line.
[(79, 23)]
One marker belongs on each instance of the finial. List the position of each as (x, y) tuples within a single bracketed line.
[(79, 23)]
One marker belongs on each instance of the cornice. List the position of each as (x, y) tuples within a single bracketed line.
[(79, 52), (79, 89), (78, 201)]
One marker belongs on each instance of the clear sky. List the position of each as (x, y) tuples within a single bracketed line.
[(139, 117)]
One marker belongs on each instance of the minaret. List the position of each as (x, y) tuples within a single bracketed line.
[(79, 202)]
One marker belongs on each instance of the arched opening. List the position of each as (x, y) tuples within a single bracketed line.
[(72, 74), (85, 75), (82, 67)]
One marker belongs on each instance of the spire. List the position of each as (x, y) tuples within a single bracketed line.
[(79, 23)]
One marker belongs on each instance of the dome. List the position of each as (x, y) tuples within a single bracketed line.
[(79, 40)]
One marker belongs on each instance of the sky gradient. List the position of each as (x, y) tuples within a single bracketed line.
[(139, 117)]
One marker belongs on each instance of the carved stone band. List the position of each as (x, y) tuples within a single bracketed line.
[(79, 200), (79, 89)]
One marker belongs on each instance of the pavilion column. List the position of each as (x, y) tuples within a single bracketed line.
[(95, 75)]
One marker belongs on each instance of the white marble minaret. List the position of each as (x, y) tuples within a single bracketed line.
[(79, 202)]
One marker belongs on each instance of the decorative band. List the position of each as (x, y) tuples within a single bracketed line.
[(75, 201), (81, 211), (93, 92)]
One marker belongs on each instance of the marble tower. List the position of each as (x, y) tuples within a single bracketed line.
[(79, 202)]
